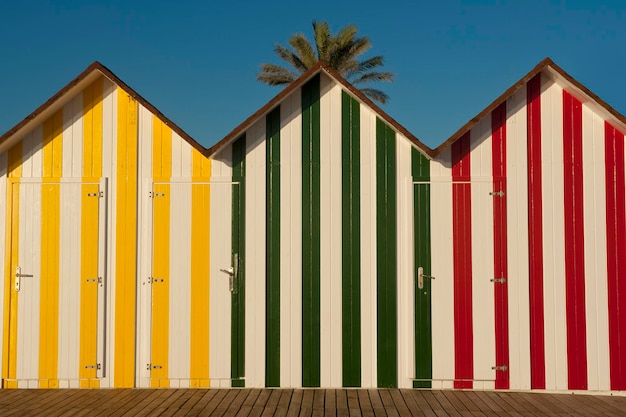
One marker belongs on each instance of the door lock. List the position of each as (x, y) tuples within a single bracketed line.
[(232, 274), (18, 277), (421, 276)]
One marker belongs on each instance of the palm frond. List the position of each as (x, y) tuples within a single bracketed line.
[(373, 76), (364, 66), (341, 51), (375, 95), (323, 39), (290, 57), (304, 49), (275, 75)]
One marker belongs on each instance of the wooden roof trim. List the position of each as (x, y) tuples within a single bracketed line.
[(546, 63), (319, 66), (363, 98), (237, 131), (97, 66)]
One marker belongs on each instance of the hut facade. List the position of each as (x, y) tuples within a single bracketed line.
[(319, 244)]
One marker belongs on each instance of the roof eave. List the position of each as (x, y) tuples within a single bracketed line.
[(64, 95)]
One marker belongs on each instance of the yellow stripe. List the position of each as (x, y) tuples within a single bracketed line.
[(92, 129), (9, 348), (125, 250), (161, 169), (92, 167), (200, 267), (50, 243)]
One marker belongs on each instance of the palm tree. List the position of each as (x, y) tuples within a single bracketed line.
[(340, 52)]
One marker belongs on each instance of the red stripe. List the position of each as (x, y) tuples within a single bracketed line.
[(535, 236), (500, 267), (574, 243), (616, 252), (462, 253)]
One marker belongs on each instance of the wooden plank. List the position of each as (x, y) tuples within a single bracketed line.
[(283, 402), (269, 410), (192, 400), (249, 402), (295, 403), (364, 403), (207, 396), (447, 406), (390, 407), (417, 404)]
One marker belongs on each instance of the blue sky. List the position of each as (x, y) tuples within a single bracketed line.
[(197, 61)]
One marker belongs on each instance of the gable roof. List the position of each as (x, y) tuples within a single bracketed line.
[(93, 71), (548, 67), (64, 95), (319, 67)]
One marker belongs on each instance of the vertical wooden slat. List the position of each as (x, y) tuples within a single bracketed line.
[(501, 305), (9, 348), (200, 318), (272, 274), (386, 255), (50, 253), (535, 235), (238, 249), (351, 243), (574, 243), (462, 242), (311, 233), (126, 238), (616, 252), (420, 170)]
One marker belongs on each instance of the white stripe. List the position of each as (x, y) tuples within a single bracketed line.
[(220, 258), (442, 299), (70, 280), (330, 234), (291, 242), (255, 255), (553, 237), (596, 291), (482, 242), (368, 248), (29, 259), (109, 170), (145, 238), (405, 289), (517, 241)]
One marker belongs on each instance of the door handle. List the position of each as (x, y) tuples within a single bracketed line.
[(421, 276), (232, 274), (18, 278)]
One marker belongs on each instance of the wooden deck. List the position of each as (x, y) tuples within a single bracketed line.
[(302, 402)]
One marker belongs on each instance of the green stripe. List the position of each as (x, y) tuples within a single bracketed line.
[(351, 241), (272, 306), (238, 246), (311, 233), (420, 169), (386, 256)]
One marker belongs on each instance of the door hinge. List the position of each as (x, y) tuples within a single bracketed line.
[(153, 194), (96, 366), (497, 193), (502, 368), (149, 367), (152, 280), (498, 280), (98, 194)]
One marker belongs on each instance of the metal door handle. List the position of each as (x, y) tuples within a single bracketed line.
[(232, 274), (421, 276), (18, 276)]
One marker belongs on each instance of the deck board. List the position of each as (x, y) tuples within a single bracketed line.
[(303, 402)]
